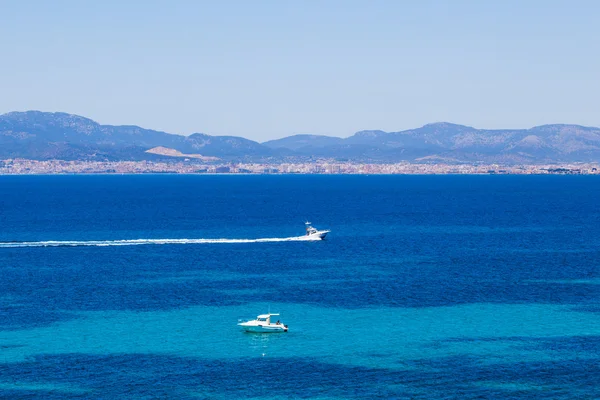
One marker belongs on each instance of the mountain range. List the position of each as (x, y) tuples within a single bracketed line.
[(41, 136)]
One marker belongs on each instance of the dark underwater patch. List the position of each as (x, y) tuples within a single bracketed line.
[(142, 375)]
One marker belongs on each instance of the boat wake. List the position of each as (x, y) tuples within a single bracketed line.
[(135, 242)]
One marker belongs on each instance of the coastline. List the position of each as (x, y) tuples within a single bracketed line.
[(62, 167)]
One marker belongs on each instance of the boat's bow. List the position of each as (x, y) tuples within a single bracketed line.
[(312, 232), (322, 234)]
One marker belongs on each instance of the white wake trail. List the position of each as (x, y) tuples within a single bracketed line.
[(136, 242)]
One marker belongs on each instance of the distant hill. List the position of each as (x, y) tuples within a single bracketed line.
[(226, 146), (538, 144), (42, 135), (301, 142), (457, 143)]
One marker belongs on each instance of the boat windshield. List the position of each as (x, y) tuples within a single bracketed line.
[(262, 319)]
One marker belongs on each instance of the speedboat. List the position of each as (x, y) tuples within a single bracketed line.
[(313, 233), (263, 324)]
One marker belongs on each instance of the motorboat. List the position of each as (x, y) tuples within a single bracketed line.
[(263, 324), (313, 233)]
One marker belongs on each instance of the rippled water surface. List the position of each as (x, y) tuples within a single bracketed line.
[(427, 287)]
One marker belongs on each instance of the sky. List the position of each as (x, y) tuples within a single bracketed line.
[(267, 69)]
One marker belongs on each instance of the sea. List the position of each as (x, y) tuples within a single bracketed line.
[(427, 287)]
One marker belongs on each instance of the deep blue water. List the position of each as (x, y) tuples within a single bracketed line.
[(427, 287)]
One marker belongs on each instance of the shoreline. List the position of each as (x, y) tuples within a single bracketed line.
[(291, 174), (62, 167)]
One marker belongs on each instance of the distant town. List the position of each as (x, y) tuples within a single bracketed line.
[(36, 167)]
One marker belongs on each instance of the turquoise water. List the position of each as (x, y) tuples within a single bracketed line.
[(427, 287), (392, 339), (384, 336)]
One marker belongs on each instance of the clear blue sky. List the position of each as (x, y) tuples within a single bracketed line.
[(268, 69)]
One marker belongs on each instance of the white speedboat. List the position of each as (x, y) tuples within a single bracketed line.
[(314, 233), (263, 324)]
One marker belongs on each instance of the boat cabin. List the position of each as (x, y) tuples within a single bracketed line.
[(266, 318), (309, 229)]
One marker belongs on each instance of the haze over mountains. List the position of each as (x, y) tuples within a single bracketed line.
[(42, 136)]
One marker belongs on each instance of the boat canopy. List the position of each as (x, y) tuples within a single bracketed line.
[(265, 315)]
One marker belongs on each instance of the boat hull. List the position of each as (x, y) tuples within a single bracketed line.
[(264, 328), (318, 235)]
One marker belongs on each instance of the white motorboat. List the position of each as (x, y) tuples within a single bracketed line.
[(263, 324), (314, 233)]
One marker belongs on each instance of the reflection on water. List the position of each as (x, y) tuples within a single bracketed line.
[(263, 342)]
